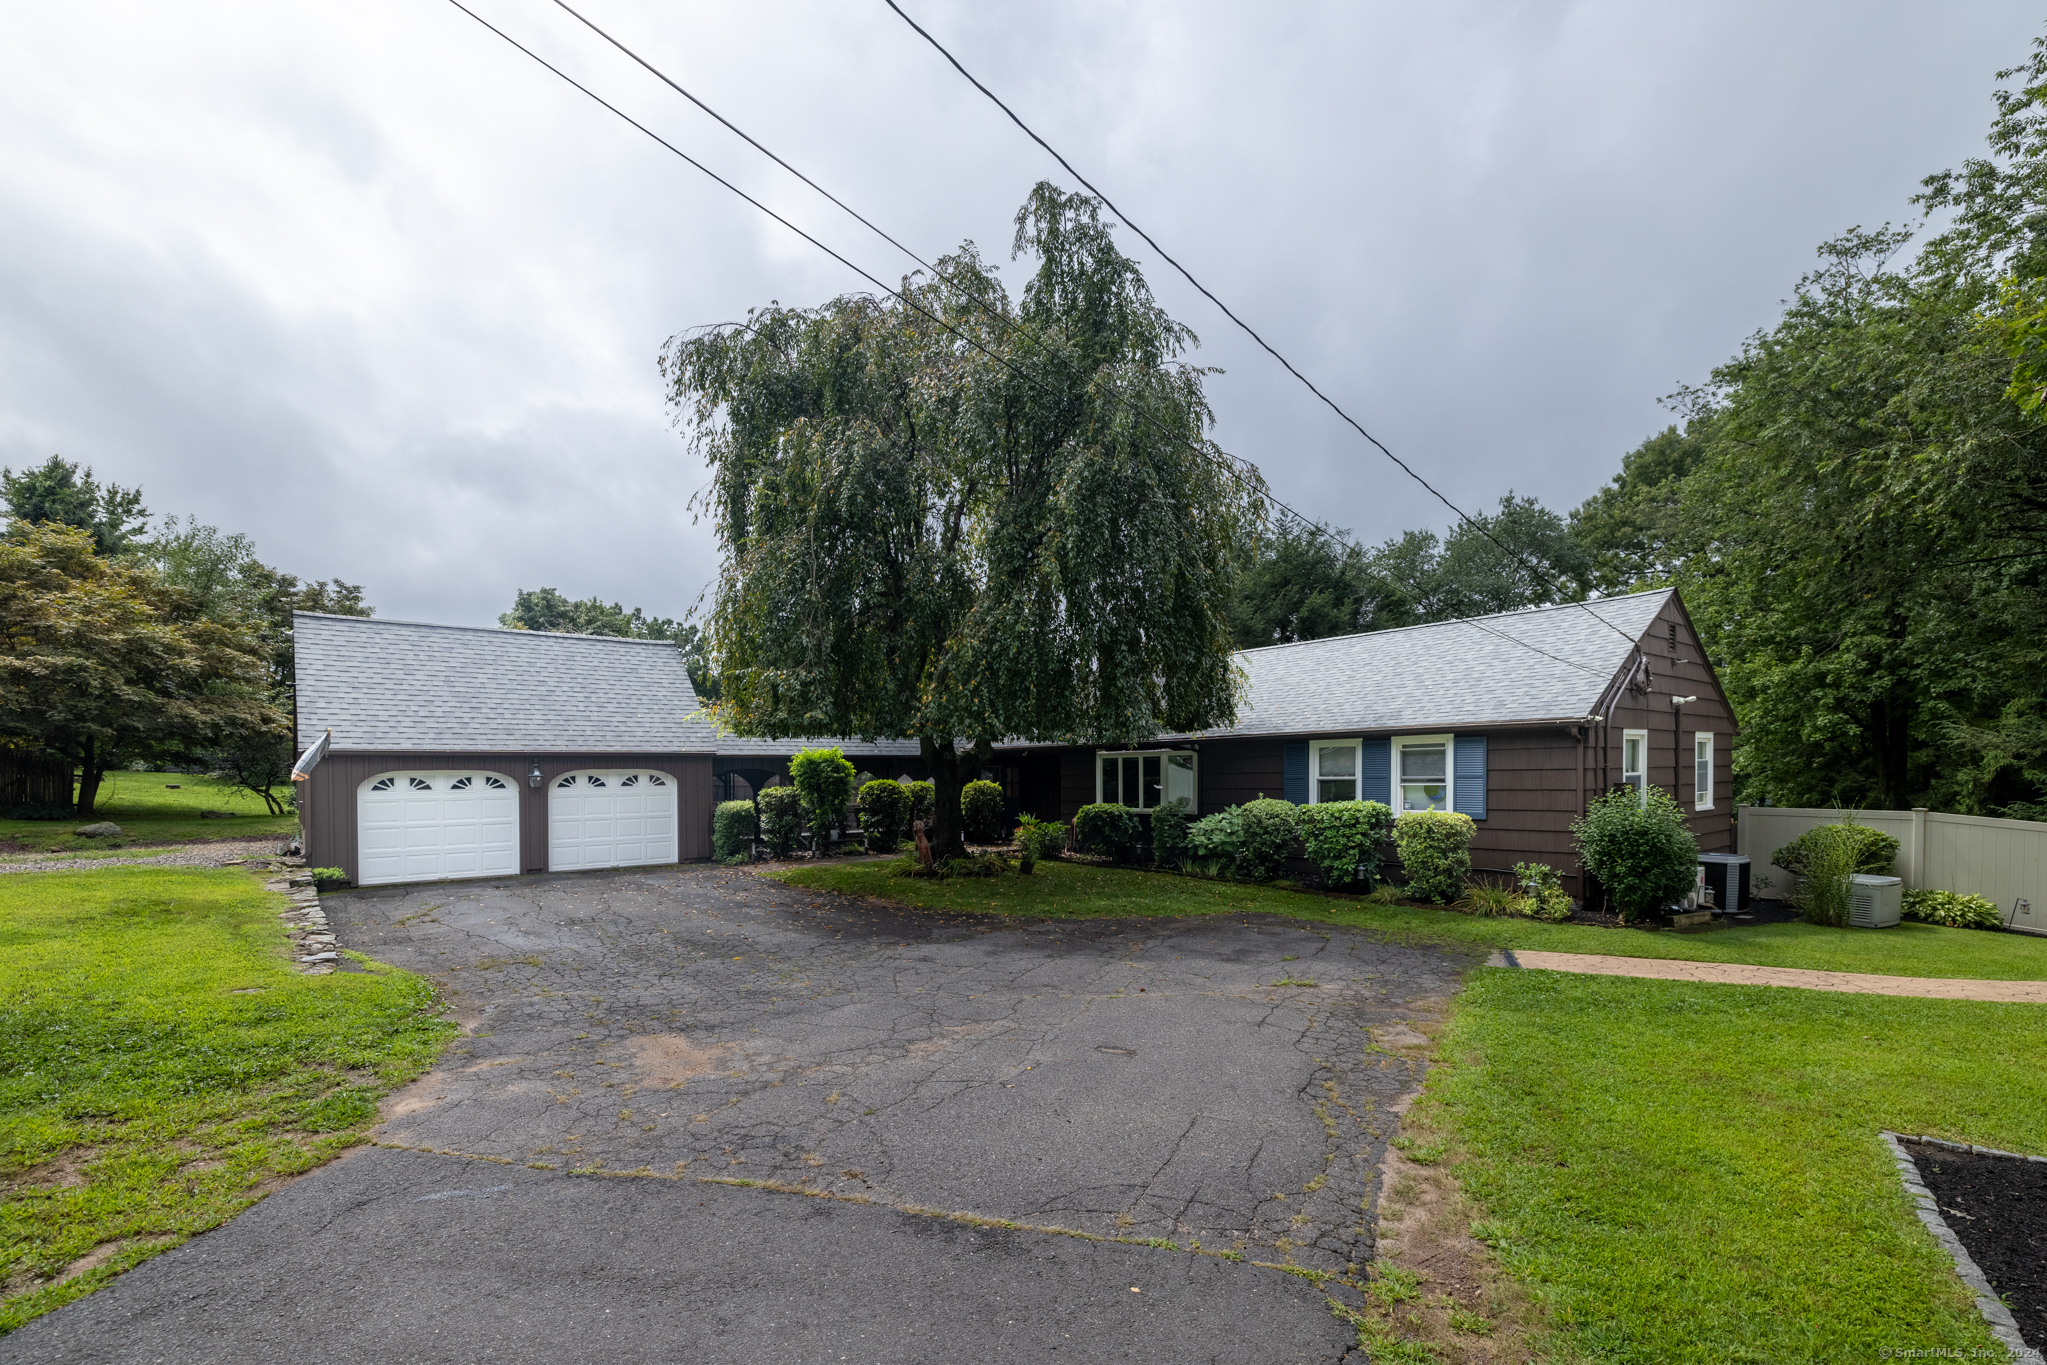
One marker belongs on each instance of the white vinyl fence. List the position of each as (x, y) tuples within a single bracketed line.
[(2004, 861)]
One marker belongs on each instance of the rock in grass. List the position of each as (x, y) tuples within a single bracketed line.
[(104, 829)]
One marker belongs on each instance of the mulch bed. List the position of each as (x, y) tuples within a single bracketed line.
[(1997, 1207)]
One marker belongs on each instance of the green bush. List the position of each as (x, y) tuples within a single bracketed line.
[(1435, 852), (922, 800), (1953, 909), (981, 811), (825, 778), (1043, 838), (1268, 830), (1215, 840), (1489, 901), (1169, 838), (781, 819), (732, 829), (322, 875), (884, 814), (1642, 852), (1106, 830), (1543, 886), (952, 869), (1342, 838), (1872, 850)]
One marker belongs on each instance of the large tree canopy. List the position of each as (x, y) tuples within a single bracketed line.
[(546, 609), (956, 517), (59, 493), (100, 659)]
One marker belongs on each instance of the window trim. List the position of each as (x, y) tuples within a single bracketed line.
[(1702, 797), (1315, 748), (1627, 779), (1193, 802), (1449, 743)]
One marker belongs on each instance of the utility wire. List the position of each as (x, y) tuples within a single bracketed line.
[(1227, 464), (1244, 326)]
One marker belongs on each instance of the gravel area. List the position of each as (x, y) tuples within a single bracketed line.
[(177, 855)]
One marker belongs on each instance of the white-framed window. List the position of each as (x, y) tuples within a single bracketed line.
[(1702, 770), (1333, 770), (1424, 773), (1144, 779), (1635, 761)]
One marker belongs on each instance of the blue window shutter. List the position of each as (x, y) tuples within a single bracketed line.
[(1470, 760), (1375, 771), (1294, 773)]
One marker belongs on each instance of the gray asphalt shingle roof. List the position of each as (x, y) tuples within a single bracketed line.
[(1547, 663), (408, 685)]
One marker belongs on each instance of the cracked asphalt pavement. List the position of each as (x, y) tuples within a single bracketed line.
[(926, 1107)]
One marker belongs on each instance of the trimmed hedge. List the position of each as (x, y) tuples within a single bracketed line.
[(825, 778), (981, 811), (1169, 834), (732, 829), (1873, 850), (781, 819), (1435, 852), (884, 814), (1642, 851), (1267, 829), (1106, 830)]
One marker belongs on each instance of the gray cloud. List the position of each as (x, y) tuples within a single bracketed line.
[(366, 284)]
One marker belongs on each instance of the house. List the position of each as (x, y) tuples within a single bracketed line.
[(463, 752), (1517, 720)]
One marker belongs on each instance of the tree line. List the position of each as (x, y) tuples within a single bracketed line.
[(121, 646)]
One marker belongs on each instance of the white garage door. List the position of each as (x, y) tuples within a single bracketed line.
[(423, 827), (610, 818)]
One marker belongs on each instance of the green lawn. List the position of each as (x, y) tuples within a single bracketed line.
[(1064, 889), (160, 1062), (1684, 1172), (149, 811)]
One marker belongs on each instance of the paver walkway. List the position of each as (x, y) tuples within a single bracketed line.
[(1740, 974)]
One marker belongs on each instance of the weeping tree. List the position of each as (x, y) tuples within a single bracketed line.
[(954, 517)]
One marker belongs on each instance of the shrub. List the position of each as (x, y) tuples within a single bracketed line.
[(1342, 838), (781, 819), (1543, 885), (1435, 851), (981, 811), (1642, 852), (322, 875), (1383, 895), (1044, 838), (884, 814), (732, 829), (1827, 860), (1872, 849), (1490, 901), (825, 779), (1268, 830), (1169, 838), (1216, 839), (1952, 908), (951, 869), (921, 802), (1106, 829)]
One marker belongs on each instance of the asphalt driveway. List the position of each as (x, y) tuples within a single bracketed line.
[(923, 1106)]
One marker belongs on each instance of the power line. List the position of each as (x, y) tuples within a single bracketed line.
[(1226, 464), (1246, 327)]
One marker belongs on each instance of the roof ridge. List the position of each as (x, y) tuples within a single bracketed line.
[(487, 630), (1456, 621)]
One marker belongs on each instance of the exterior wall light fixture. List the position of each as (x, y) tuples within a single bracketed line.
[(533, 774)]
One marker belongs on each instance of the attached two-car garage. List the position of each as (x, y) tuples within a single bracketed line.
[(443, 825)]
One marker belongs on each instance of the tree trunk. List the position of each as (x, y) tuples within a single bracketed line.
[(90, 770), (950, 772)]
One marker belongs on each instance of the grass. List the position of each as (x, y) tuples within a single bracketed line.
[(148, 811), (162, 1066), (1066, 890), (1683, 1172)]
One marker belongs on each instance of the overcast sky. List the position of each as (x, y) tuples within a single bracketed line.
[(365, 283)]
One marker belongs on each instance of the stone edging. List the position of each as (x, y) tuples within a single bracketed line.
[(2002, 1325)]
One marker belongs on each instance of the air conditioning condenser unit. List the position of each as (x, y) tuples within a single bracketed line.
[(1874, 902)]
